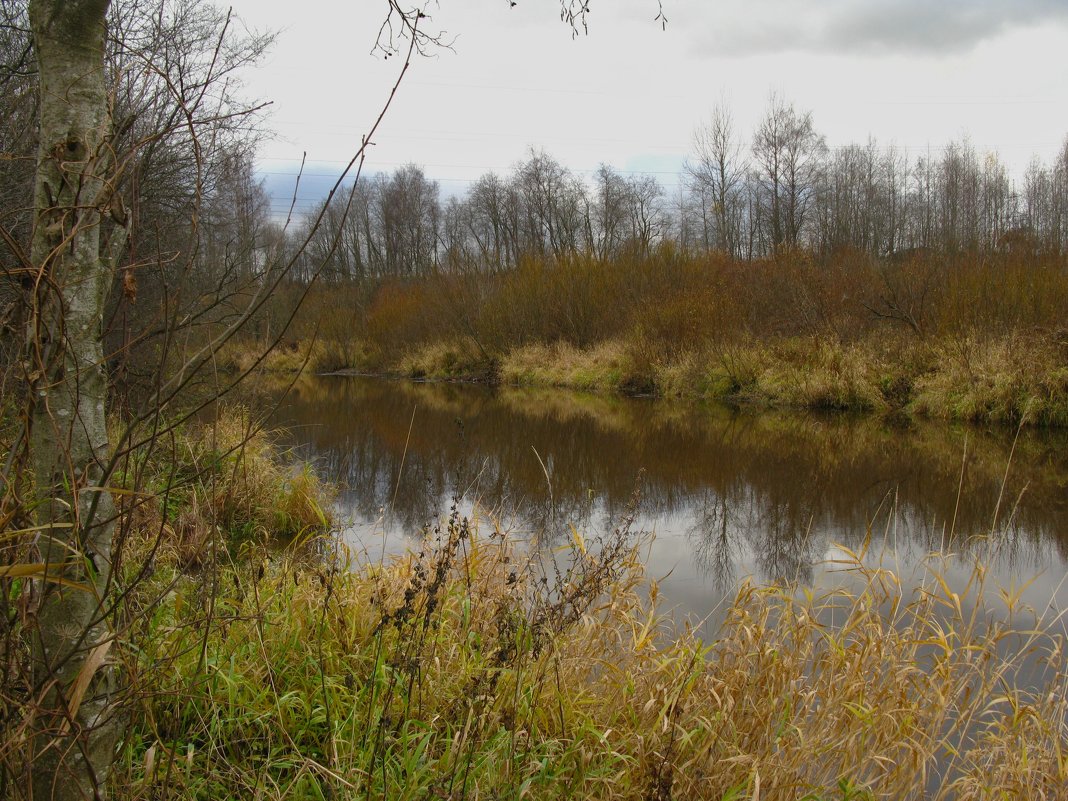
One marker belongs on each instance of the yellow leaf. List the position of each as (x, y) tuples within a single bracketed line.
[(39, 570), (577, 537), (85, 675)]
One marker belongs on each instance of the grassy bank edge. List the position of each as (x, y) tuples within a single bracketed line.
[(1012, 379)]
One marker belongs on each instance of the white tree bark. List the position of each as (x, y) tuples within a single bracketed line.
[(75, 731)]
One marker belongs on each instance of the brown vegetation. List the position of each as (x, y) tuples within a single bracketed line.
[(955, 338)]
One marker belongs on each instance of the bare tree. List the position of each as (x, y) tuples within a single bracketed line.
[(895, 170), (716, 176), (553, 204), (487, 223), (409, 217), (648, 217), (607, 212), (18, 118), (85, 206), (787, 153)]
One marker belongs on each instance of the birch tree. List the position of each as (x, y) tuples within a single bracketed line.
[(787, 155), (75, 729), (716, 176)]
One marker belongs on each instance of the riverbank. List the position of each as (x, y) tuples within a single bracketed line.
[(260, 661), (468, 670), (944, 336), (1012, 379)]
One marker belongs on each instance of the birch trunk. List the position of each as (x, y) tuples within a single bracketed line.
[(76, 730)]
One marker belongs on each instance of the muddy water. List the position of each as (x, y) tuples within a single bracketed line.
[(726, 494)]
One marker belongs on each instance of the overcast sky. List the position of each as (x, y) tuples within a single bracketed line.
[(919, 73)]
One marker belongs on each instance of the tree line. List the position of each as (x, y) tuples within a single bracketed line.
[(782, 190)]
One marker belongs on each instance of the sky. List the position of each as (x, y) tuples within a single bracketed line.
[(629, 93)]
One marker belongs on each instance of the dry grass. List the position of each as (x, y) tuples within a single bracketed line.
[(1008, 379), (305, 357), (603, 367), (478, 669), (214, 485), (1004, 380), (458, 358), (1012, 378), (824, 374), (245, 356)]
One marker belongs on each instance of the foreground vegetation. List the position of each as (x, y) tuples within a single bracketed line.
[(475, 669)]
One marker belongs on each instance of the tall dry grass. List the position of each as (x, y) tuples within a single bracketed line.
[(215, 485), (477, 668)]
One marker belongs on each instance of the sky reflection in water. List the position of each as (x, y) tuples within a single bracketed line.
[(727, 494)]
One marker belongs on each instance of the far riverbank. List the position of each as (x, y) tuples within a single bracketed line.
[(1017, 379)]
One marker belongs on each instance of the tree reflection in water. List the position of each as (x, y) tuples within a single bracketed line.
[(728, 494)]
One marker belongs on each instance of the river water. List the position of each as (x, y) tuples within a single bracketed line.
[(726, 494)]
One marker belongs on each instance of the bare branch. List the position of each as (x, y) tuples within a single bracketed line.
[(408, 25)]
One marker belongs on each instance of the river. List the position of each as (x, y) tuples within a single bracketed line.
[(726, 494)]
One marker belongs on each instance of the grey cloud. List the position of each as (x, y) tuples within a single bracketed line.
[(884, 26)]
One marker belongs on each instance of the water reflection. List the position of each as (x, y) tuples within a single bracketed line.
[(727, 494)]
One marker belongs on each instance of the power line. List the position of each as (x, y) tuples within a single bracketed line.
[(673, 150), (586, 171)]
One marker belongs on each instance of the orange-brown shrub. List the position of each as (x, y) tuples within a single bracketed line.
[(673, 302), (400, 314)]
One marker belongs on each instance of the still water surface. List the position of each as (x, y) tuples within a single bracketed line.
[(726, 494)]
